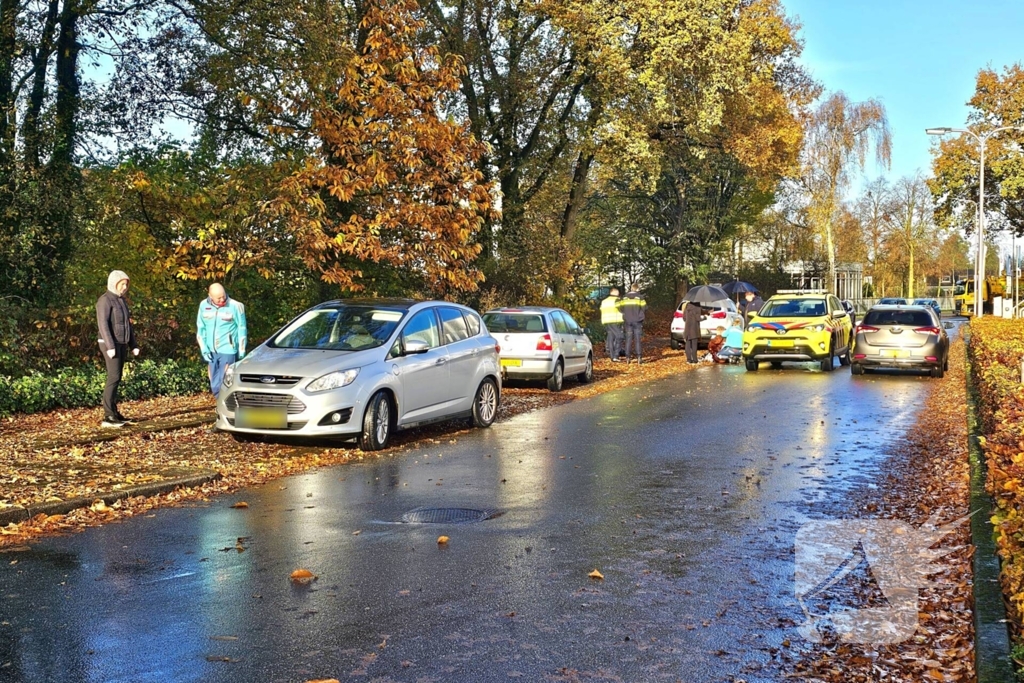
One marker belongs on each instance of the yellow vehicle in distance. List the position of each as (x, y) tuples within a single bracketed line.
[(800, 326)]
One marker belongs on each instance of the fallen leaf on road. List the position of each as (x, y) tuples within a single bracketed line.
[(441, 540), (324, 680), (224, 638), (596, 575), (303, 576), (240, 504), (99, 506)]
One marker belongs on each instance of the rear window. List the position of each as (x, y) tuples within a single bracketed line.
[(500, 322), (897, 317)]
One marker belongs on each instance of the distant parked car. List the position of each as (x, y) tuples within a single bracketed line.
[(365, 368), (907, 337), (541, 343), (930, 303), (718, 314), (850, 309), (892, 301)]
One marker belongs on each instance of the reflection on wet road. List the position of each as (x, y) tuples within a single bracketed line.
[(685, 494)]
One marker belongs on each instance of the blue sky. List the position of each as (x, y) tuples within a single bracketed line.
[(919, 57)]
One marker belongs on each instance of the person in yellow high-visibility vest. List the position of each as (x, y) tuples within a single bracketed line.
[(611, 318)]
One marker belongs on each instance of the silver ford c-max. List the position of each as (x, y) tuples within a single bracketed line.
[(365, 368)]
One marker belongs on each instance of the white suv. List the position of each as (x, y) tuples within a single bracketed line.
[(541, 343), (719, 314)]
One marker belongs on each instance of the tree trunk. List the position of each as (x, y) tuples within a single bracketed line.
[(910, 275), (8, 18), (30, 133), (577, 194), (68, 88)]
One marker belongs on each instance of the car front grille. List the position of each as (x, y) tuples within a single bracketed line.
[(292, 426), (253, 399), (278, 380)]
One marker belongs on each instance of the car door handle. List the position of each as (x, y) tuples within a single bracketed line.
[(441, 361)]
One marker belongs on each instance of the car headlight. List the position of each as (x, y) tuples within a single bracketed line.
[(333, 380), (229, 376), (818, 328)]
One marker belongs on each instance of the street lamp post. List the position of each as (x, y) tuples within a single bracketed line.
[(979, 263)]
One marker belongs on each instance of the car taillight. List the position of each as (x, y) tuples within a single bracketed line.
[(544, 343), (677, 314), (864, 328), (497, 348), (718, 315), (928, 330)]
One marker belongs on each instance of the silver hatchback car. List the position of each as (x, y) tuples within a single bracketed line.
[(541, 343), (365, 368)]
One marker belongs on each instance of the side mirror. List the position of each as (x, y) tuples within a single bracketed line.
[(948, 324), (416, 346)]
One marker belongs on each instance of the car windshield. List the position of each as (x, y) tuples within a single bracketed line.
[(341, 328), (893, 302), (923, 302), (899, 317), (793, 308)]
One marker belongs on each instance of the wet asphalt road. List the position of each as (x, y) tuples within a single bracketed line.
[(686, 494)]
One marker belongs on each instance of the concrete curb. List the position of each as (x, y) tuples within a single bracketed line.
[(991, 634), (62, 507)]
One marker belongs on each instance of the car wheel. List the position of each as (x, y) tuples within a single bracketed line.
[(376, 423), (752, 365), (937, 372), (845, 359), (587, 376), (856, 369), (945, 363), (828, 363), (485, 404), (555, 381), (673, 344)]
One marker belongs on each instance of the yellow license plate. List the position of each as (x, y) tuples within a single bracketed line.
[(511, 363), (261, 418), (895, 353), (780, 343)]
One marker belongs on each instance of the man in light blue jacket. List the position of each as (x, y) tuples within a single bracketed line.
[(221, 333)]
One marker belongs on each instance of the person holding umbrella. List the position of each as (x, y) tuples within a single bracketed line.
[(692, 316), (752, 303)]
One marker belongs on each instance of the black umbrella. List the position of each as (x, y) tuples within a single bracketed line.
[(738, 287), (705, 294)]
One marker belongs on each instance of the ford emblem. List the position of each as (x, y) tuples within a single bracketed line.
[(267, 379)]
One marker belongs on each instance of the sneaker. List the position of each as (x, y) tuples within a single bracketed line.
[(111, 423), (125, 420), (615, 360)]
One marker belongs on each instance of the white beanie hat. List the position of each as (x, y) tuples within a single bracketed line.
[(115, 277)]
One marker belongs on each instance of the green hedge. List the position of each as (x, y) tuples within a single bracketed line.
[(83, 387)]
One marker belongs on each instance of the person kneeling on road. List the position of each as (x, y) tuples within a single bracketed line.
[(732, 351)]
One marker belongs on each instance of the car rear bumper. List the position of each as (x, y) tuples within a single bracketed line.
[(529, 368)]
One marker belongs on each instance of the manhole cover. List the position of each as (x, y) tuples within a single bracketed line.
[(447, 515)]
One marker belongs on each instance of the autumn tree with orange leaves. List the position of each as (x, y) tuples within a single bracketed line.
[(392, 180)]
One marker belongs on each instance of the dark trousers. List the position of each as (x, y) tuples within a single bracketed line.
[(633, 332), (115, 368), (691, 350), (613, 339)]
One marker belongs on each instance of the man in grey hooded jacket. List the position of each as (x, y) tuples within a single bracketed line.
[(116, 338)]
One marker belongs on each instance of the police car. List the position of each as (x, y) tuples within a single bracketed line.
[(799, 325)]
